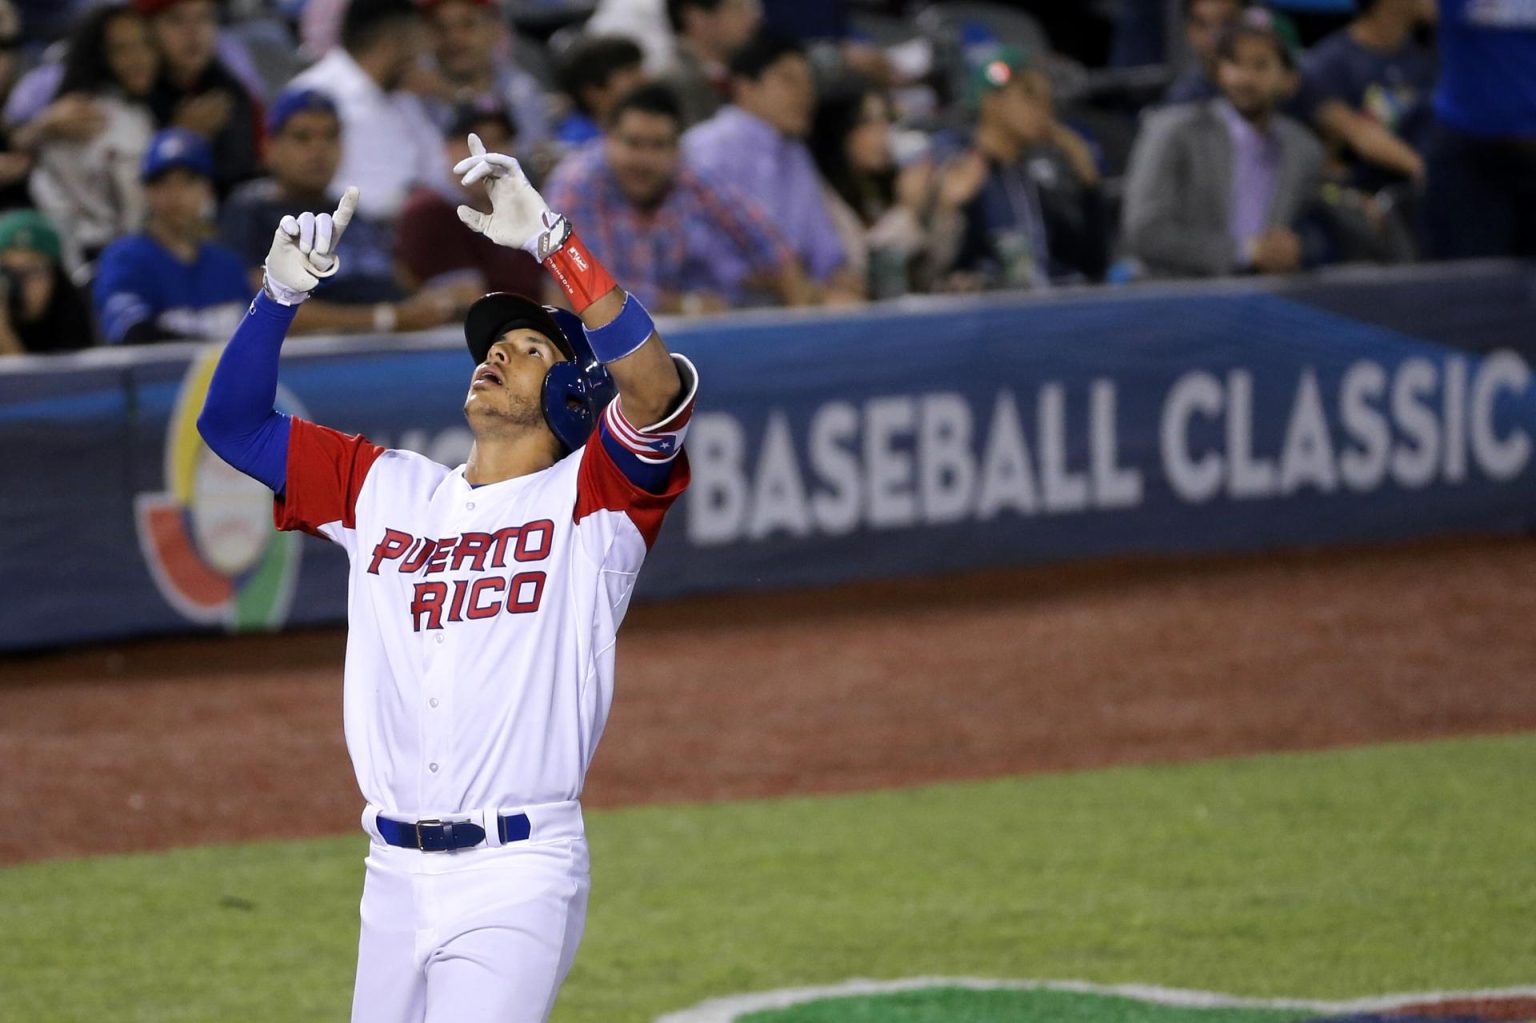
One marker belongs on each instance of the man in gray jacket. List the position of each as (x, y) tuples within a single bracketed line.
[(1219, 187)]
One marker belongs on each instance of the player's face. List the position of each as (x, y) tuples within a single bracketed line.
[(304, 156), (187, 33), (464, 38), (1255, 78), (507, 388), (130, 55), (642, 153)]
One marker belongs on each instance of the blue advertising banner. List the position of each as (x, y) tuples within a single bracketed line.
[(931, 436)]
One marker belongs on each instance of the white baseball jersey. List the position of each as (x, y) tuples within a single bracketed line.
[(480, 652)]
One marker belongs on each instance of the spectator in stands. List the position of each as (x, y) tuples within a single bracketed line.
[(1204, 23), (88, 184), (1024, 185), (644, 21), (883, 207), (708, 32), (434, 249), (197, 92), (169, 281), (757, 143), (15, 161), (1481, 163), (303, 151), (40, 309), (473, 47), (593, 73), (680, 244), (389, 143), (1366, 89), (1222, 187)]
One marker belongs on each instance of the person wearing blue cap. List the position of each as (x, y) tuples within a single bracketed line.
[(170, 281), (304, 146)]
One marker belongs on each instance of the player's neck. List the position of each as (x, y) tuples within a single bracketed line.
[(494, 459)]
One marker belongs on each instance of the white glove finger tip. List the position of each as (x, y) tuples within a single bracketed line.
[(344, 209), (475, 145), (306, 233), (324, 234)]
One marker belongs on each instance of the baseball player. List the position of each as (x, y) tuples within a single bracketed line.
[(483, 601)]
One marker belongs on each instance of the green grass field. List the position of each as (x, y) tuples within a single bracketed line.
[(1334, 875)]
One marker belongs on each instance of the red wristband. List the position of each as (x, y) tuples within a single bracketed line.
[(581, 277)]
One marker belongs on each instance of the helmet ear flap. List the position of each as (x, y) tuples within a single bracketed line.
[(568, 406), (575, 391)]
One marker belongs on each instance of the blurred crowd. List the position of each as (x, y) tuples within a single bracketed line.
[(722, 154)]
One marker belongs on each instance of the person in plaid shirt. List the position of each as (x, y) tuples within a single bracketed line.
[(681, 244)]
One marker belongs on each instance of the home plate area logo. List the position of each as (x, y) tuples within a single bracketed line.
[(957, 999)]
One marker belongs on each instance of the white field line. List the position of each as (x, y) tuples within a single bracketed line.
[(724, 1010)]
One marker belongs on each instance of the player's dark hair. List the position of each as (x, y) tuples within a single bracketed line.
[(1258, 27), (589, 63), (761, 52), (86, 68), (1365, 6), (675, 9), (650, 98), (368, 21)]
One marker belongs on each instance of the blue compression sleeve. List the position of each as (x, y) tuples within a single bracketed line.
[(238, 420)]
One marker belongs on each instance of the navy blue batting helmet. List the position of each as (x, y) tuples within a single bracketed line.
[(576, 390)]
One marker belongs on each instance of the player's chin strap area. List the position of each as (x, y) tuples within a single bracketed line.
[(471, 829)]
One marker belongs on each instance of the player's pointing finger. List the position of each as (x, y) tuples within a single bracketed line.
[(344, 210)]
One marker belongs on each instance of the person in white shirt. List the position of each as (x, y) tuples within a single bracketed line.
[(390, 144)]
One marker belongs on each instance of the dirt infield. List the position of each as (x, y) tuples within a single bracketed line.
[(182, 742)]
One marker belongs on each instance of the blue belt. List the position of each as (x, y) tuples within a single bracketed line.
[(445, 836)]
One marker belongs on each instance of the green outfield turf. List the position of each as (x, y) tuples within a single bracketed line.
[(1335, 875)]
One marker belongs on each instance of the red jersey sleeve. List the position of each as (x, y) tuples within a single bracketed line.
[(326, 470), (639, 471)]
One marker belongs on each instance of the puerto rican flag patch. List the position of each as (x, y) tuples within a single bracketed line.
[(660, 443)]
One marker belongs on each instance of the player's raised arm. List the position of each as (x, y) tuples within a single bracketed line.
[(617, 325), (238, 421)]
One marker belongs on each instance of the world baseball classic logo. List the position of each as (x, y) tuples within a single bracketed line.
[(208, 537)]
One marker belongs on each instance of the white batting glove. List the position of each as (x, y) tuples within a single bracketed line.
[(519, 217), (303, 251)]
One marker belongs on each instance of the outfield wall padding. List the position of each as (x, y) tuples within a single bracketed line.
[(923, 436)]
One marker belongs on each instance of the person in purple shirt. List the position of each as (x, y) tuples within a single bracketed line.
[(1226, 186), (684, 245), (757, 143)]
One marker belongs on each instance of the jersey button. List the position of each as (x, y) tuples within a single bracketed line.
[(432, 768), (440, 637), (432, 702), (470, 506)]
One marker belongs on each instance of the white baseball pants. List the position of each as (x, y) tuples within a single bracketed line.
[(484, 934)]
